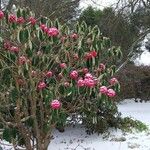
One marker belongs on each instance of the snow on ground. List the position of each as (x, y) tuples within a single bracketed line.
[(75, 138)]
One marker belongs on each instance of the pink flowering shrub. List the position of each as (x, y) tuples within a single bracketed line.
[(48, 73)]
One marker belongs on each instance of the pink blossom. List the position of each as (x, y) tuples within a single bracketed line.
[(42, 26), (74, 36), (88, 76), (102, 67), (46, 29), (12, 18), (32, 20), (63, 65), (111, 93), (14, 49), (55, 104), (89, 82), (7, 45), (74, 74), (93, 53), (80, 83), (75, 56), (66, 84), (95, 80), (49, 74), (85, 70), (33, 73), (41, 85), (22, 60), (1, 14), (113, 81), (63, 38), (88, 56), (53, 32), (20, 20), (103, 90), (60, 75)]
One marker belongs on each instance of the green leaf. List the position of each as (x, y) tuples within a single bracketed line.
[(19, 12), (14, 26), (7, 135), (57, 24), (77, 28), (30, 44), (24, 14), (43, 20), (23, 36), (40, 35)]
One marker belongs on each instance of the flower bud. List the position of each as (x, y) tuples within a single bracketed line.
[(111, 93), (55, 104), (12, 18), (103, 90), (32, 20), (22, 60), (74, 74), (49, 74), (53, 32), (80, 83), (113, 81), (1, 14), (20, 20), (41, 85), (63, 65)]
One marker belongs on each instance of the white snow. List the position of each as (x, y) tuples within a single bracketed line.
[(75, 138), (96, 3), (144, 58)]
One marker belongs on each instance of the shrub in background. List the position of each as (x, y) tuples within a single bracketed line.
[(49, 73), (134, 82)]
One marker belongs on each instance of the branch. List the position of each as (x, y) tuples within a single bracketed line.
[(131, 49)]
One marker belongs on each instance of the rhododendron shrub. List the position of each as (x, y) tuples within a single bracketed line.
[(50, 73)]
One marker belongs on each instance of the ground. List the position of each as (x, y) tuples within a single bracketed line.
[(75, 138)]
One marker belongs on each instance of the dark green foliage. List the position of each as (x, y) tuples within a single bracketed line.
[(101, 119), (112, 24), (138, 77), (128, 124)]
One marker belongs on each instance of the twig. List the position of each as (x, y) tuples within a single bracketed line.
[(131, 49)]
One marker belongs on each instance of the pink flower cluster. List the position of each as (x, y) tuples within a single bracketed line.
[(51, 32), (49, 74), (41, 85), (113, 81), (102, 67), (55, 104), (12, 18), (20, 20), (88, 81), (22, 60), (32, 20), (1, 14), (90, 55), (7, 45), (106, 91), (63, 65), (74, 74), (74, 36)]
